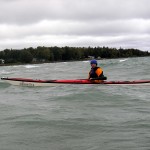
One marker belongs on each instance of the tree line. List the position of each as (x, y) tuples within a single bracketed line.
[(51, 54)]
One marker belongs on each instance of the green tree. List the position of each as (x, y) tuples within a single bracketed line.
[(26, 56), (43, 53)]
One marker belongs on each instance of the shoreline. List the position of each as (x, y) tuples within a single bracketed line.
[(32, 63)]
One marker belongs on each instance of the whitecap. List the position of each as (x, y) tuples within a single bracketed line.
[(86, 61), (122, 60), (31, 66), (5, 72)]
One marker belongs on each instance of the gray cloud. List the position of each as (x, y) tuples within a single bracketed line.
[(26, 11), (115, 23)]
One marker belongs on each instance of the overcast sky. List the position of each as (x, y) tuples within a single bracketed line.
[(77, 23)]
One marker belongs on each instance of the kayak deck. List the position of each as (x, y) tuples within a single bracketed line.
[(38, 82)]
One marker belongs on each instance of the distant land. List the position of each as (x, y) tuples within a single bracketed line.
[(43, 54)]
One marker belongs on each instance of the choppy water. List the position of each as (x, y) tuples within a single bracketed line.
[(76, 117)]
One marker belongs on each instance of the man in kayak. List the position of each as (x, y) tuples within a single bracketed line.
[(96, 73)]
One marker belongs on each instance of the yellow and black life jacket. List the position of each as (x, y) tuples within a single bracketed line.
[(96, 72)]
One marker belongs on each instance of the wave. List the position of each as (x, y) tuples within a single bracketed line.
[(86, 61), (122, 60), (4, 84), (5, 72), (30, 66)]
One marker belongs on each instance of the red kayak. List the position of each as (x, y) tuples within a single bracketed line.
[(37, 82)]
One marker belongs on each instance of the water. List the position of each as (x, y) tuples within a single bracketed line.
[(76, 117)]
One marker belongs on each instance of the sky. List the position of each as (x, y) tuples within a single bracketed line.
[(76, 23)]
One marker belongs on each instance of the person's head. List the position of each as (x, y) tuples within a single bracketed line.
[(93, 63)]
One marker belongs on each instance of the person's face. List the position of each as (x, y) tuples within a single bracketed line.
[(93, 65)]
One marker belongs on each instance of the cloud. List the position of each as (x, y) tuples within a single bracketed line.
[(115, 23), (26, 11)]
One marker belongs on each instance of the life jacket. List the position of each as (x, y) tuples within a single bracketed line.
[(93, 74)]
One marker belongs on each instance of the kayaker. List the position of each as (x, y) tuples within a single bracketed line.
[(96, 72)]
